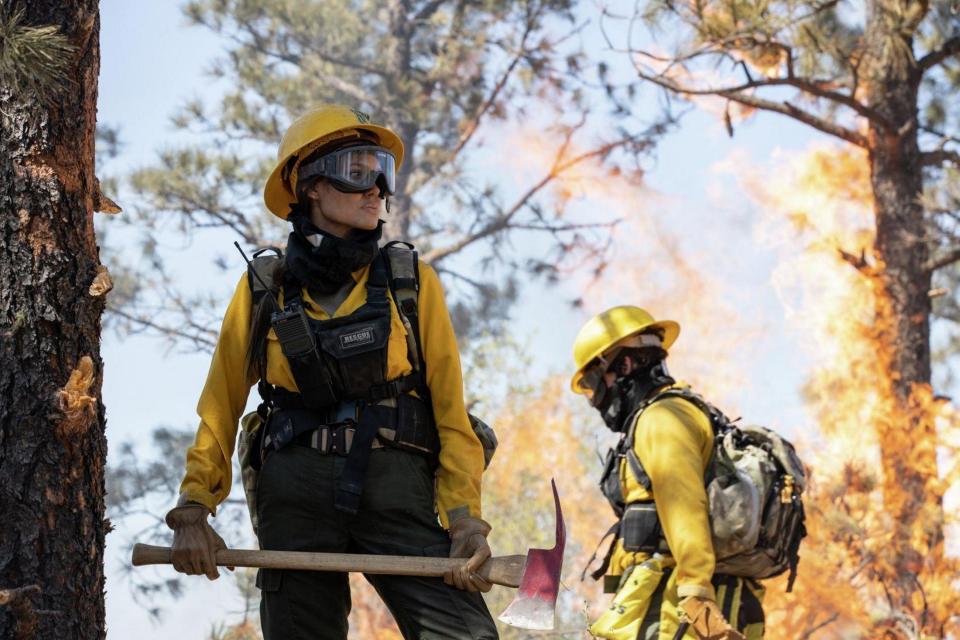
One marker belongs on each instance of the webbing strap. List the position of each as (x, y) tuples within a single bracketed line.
[(605, 564), (408, 305), (349, 486), (638, 471)]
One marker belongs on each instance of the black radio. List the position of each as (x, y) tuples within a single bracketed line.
[(293, 330)]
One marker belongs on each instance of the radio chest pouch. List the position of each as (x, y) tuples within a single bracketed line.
[(341, 358)]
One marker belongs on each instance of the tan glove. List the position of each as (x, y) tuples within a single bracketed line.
[(195, 543), (707, 620), (468, 539)]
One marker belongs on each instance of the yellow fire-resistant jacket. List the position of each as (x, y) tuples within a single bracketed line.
[(674, 442), (208, 469)]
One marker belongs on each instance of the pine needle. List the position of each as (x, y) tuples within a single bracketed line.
[(33, 59)]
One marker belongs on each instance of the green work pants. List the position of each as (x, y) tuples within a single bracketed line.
[(396, 517)]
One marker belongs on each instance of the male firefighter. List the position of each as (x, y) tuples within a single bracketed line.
[(661, 562)]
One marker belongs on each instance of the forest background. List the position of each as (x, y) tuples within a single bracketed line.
[(750, 229)]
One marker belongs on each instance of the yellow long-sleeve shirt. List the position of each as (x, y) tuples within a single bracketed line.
[(208, 469), (674, 441)]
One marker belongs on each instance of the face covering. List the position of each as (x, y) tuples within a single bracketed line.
[(617, 403), (323, 261)]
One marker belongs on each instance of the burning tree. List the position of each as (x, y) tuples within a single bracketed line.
[(877, 76), (52, 445)]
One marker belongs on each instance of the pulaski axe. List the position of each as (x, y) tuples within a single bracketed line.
[(535, 575)]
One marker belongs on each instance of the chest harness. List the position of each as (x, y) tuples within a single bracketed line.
[(346, 405)]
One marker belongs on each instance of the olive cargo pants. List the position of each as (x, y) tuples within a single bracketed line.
[(397, 517)]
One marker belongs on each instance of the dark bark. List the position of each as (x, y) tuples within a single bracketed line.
[(52, 443), (896, 173)]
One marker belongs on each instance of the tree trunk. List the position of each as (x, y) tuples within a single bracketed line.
[(52, 443), (397, 60), (908, 441)]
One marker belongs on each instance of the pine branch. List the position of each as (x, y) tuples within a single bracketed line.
[(474, 123), (950, 48), (813, 87), (947, 259), (33, 59), (939, 157), (427, 10), (203, 339), (785, 108), (504, 220)]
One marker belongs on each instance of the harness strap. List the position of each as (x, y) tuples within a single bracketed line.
[(349, 486), (283, 399)]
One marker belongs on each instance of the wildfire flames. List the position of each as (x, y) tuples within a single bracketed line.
[(865, 522)]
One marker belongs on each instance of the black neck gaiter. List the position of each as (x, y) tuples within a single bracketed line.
[(626, 395), (327, 266)]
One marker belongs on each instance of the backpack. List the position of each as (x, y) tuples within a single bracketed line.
[(754, 483)]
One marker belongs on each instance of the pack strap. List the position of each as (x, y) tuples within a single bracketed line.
[(260, 272), (403, 268), (605, 564), (717, 421), (636, 467)]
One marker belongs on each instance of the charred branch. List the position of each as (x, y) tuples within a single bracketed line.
[(858, 262)]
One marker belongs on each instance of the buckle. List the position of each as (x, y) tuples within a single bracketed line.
[(320, 439), (342, 439)]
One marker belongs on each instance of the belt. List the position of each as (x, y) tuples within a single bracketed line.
[(336, 439)]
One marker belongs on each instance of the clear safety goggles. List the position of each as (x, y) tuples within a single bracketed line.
[(594, 372), (354, 169)]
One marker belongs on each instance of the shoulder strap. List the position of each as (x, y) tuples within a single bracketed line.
[(260, 272), (404, 278), (717, 421)]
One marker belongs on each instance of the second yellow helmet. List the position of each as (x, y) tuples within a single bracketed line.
[(606, 329)]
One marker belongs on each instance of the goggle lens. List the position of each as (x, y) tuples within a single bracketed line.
[(354, 169), (361, 166)]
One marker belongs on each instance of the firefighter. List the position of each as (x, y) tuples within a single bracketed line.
[(365, 445), (661, 562)]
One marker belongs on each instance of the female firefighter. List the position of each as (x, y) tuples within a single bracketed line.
[(365, 438), (661, 563)]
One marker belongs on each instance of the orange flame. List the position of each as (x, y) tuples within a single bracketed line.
[(878, 535)]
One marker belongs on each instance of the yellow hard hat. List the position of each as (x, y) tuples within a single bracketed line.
[(605, 330), (317, 127)]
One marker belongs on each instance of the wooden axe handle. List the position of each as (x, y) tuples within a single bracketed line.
[(504, 570)]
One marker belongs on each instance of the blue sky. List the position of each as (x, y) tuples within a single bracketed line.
[(151, 63)]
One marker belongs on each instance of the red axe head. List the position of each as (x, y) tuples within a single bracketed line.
[(536, 599)]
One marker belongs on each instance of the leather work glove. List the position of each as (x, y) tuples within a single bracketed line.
[(468, 539), (195, 543), (707, 620)]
